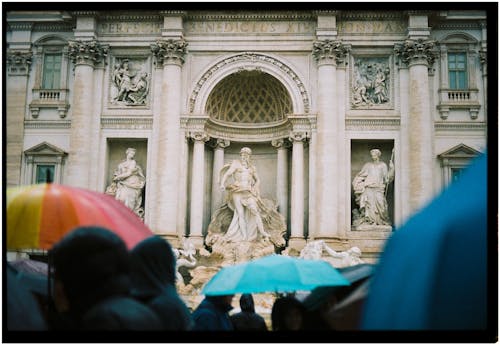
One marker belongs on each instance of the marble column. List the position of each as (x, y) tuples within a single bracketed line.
[(197, 188), (419, 55), (297, 239), (170, 54), (327, 53), (85, 55), (18, 67), (282, 176), (217, 194)]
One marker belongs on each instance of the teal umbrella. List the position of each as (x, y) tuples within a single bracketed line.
[(273, 273)]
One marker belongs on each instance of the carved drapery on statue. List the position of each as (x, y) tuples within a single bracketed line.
[(246, 226), (370, 189), (128, 183)]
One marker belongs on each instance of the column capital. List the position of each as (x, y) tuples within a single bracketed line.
[(280, 143), (199, 136), (87, 52), (330, 52), (221, 143), (413, 52), (296, 136), (169, 51), (483, 57), (18, 62)]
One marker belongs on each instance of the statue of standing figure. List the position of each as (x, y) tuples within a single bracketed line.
[(370, 188), (128, 183)]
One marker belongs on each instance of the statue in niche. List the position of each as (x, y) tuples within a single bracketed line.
[(131, 88), (370, 189), (128, 183), (370, 82), (246, 226)]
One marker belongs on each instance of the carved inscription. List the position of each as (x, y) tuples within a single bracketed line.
[(250, 27), (365, 27), (130, 28)]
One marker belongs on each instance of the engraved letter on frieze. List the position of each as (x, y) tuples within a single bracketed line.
[(370, 82)]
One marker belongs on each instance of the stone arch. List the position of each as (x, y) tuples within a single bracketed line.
[(50, 40), (266, 63)]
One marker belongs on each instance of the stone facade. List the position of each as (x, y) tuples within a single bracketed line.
[(310, 92)]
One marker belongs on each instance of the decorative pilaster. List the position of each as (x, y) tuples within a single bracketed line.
[(282, 176), (18, 67), (85, 55), (217, 194), (328, 54), (419, 55), (197, 186), (297, 238), (170, 56)]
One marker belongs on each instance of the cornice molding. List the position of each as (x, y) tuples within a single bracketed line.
[(372, 124), (51, 27), (445, 126), (251, 15), (137, 17), (127, 122), (47, 124), (370, 15)]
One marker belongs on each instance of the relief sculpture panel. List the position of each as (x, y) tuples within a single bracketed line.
[(130, 81), (371, 83)]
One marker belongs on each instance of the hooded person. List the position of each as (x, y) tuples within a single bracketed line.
[(153, 283), (92, 283), (212, 314), (248, 319)]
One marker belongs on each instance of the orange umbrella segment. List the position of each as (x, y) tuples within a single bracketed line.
[(38, 216)]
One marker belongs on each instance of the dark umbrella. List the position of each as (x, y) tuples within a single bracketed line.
[(432, 274)]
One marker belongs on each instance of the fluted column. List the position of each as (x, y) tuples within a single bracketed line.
[(217, 194), (327, 53), (85, 55), (18, 67), (197, 187), (297, 191), (419, 56), (282, 176), (170, 54)]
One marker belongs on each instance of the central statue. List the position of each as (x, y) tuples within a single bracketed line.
[(246, 226)]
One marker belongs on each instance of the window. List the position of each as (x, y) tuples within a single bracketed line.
[(44, 173), (43, 162), (51, 71), (454, 161), (457, 71), (50, 90), (458, 89)]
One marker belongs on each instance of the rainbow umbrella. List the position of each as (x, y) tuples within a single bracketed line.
[(39, 215)]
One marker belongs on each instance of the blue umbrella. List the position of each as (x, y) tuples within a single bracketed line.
[(273, 273), (432, 274)]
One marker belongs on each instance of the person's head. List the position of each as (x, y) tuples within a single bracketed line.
[(375, 153), (153, 265), (287, 314), (245, 153), (90, 264), (130, 152), (247, 303)]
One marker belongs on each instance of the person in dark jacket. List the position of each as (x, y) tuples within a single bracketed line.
[(153, 283), (248, 319), (288, 314), (212, 314), (92, 283)]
